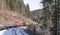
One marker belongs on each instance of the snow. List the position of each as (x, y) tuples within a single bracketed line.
[(14, 31)]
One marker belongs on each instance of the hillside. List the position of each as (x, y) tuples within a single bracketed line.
[(7, 15), (37, 15), (8, 18)]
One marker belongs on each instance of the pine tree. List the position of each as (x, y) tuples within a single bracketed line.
[(47, 12), (21, 7), (28, 11), (11, 4)]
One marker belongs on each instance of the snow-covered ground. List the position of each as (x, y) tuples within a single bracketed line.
[(14, 31)]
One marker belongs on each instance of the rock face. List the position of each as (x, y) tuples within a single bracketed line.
[(9, 18), (20, 7), (2, 5)]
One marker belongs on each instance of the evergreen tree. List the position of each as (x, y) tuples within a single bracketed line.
[(21, 4), (47, 12), (11, 4), (29, 15)]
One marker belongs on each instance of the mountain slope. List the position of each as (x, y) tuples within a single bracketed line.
[(9, 18)]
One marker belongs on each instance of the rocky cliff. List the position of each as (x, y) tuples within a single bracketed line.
[(9, 18)]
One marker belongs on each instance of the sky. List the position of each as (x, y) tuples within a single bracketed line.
[(33, 4)]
